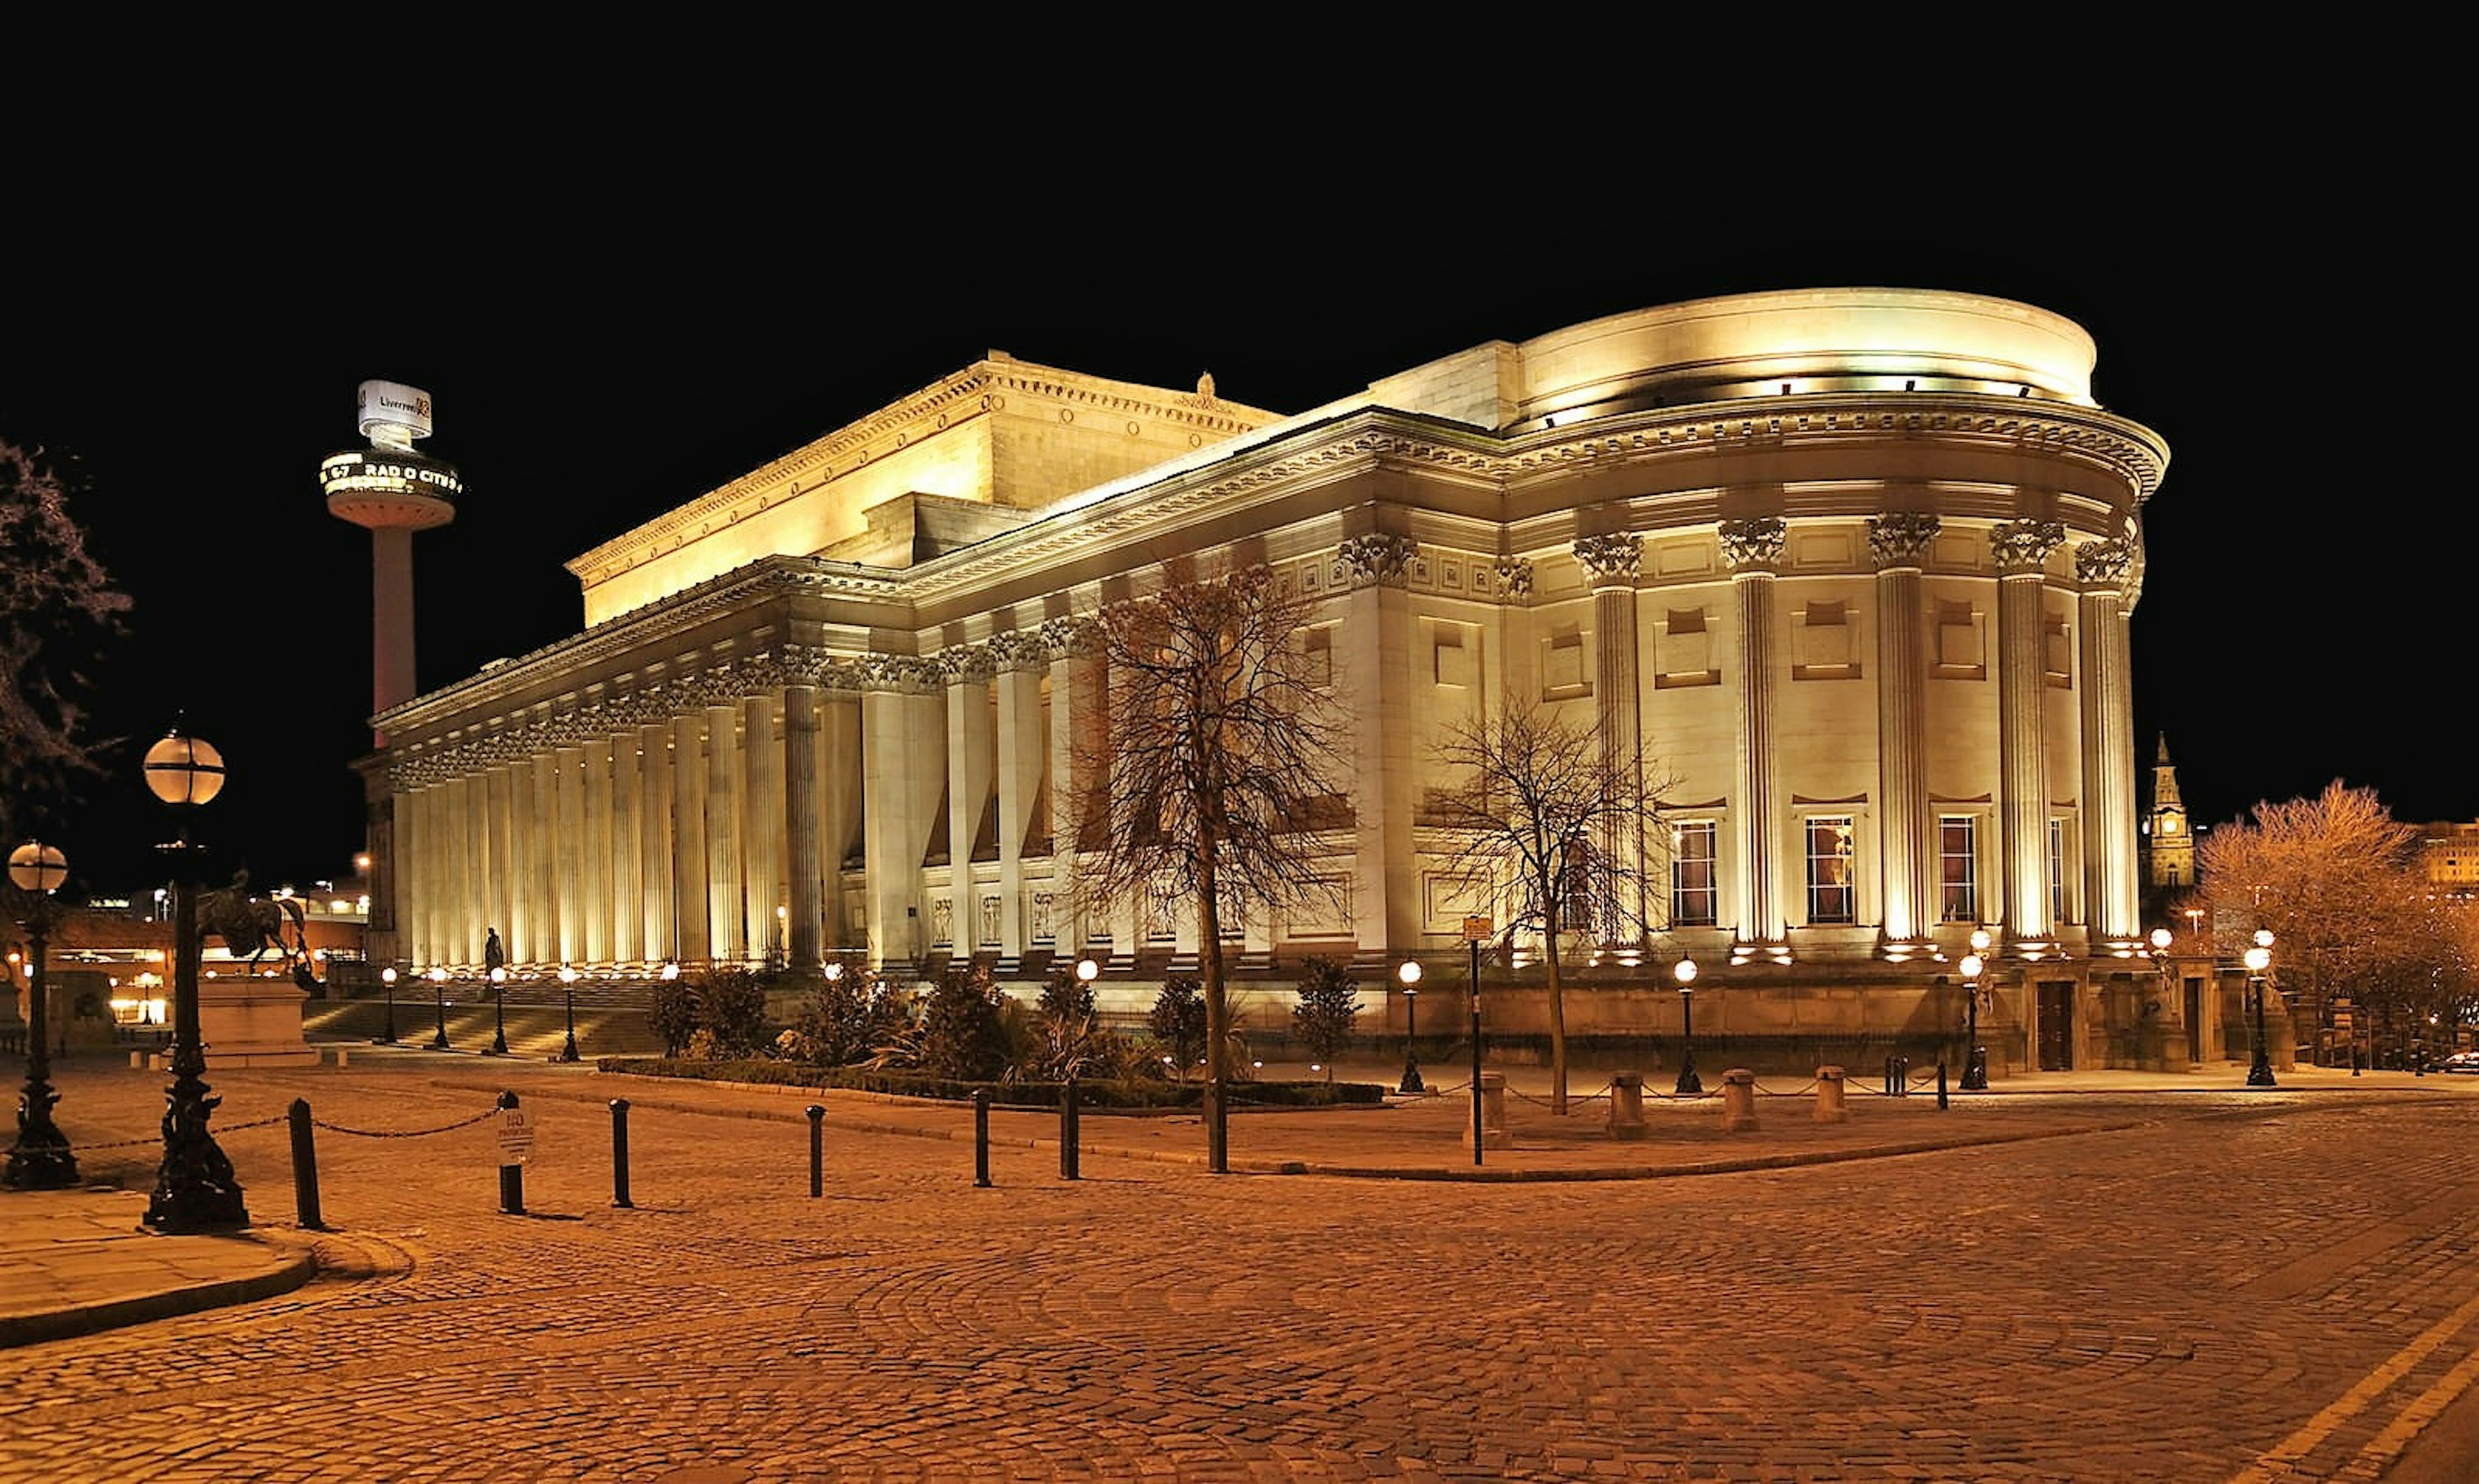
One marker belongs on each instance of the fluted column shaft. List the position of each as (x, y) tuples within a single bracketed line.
[(543, 853), (970, 777), (1023, 752), (727, 929), (567, 852), (761, 841), (689, 859), (2022, 549), (593, 866), (625, 905), (659, 922), (803, 884)]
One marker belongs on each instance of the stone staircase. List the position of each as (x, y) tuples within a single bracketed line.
[(604, 1028)]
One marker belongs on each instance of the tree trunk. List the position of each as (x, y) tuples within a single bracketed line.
[(1557, 1026)]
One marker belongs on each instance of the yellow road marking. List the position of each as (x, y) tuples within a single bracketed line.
[(2281, 1461)]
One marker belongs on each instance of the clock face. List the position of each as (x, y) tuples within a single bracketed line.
[(2171, 823)]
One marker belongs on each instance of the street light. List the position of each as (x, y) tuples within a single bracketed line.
[(1975, 1065), (387, 1037), (438, 1001), (499, 1013), (194, 1189), (41, 1159), (1410, 975), (568, 994), (2257, 960), (1684, 971)]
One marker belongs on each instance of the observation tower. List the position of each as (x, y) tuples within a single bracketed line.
[(394, 491)]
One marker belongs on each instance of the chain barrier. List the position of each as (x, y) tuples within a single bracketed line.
[(225, 1130)]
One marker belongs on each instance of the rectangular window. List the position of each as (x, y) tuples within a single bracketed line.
[(2056, 871), (1830, 895), (1695, 899), (1957, 869)]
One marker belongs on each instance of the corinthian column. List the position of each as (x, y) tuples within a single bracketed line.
[(1754, 551), (594, 884), (688, 866), (805, 880), (624, 910), (762, 816), (1610, 562), (1899, 543), (726, 936), (1373, 664), (2022, 550), (2107, 737), (658, 925)]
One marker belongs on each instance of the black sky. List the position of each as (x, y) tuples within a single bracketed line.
[(594, 363)]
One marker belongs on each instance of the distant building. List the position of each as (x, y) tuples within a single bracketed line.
[(1853, 565), (2449, 853)]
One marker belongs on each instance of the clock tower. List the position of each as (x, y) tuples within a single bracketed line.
[(2168, 833)]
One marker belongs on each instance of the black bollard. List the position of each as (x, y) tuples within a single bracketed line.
[(817, 1151), (305, 1168), (982, 1138), (512, 1177), (1217, 1133), (1069, 1134), (620, 1152), (1941, 1104), (1901, 1077)]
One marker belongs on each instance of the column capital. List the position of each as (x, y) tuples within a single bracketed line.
[(2102, 565), (970, 664), (1066, 637), (1514, 579), (1754, 546), (1901, 539), (1378, 560), (1611, 559), (2025, 546)]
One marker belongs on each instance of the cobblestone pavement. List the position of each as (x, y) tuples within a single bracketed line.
[(2202, 1286)]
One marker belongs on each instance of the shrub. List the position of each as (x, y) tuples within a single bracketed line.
[(846, 1020), (1067, 1038), (1329, 1002), (1177, 1023), (732, 1005), (674, 1013), (961, 1033)]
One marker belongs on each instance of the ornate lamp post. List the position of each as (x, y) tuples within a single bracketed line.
[(2257, 960), (41, 1159), (499, 1013), (1975, 1066), (568, 994), (1410, 975), (1684, 971), (438, 977), (387, 1036), (194, 1189)]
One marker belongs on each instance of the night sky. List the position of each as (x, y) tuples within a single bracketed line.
[(590, 367)]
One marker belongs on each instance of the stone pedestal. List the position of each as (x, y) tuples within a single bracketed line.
[(1738, 1101), (1829, 1107), (254, 1022), (1494, 1133), (1626, 1106)]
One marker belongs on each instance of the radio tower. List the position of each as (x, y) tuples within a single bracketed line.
[(394, 491)]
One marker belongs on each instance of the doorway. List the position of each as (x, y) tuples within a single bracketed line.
[(2058, 1025)]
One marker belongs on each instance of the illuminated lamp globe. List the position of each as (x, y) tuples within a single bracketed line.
[(1409, 973), (1683, 971), (2258, 958), (38, 867), (2160, 940), (184, 772)]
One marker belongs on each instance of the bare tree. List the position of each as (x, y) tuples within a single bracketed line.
[(1213, 762), (1534, 804), (55, 605), (2333, 877)]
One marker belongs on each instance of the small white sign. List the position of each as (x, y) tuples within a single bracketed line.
[(516, 1136)]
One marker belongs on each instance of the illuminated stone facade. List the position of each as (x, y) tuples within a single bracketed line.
[(1852, 567)]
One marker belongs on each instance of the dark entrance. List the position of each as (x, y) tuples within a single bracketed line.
[(2194, 1020), (2057, 1027)]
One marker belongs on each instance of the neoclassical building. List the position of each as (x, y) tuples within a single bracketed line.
[(1852, 567)]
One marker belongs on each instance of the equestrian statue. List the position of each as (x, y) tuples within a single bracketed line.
[(254, 925)]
